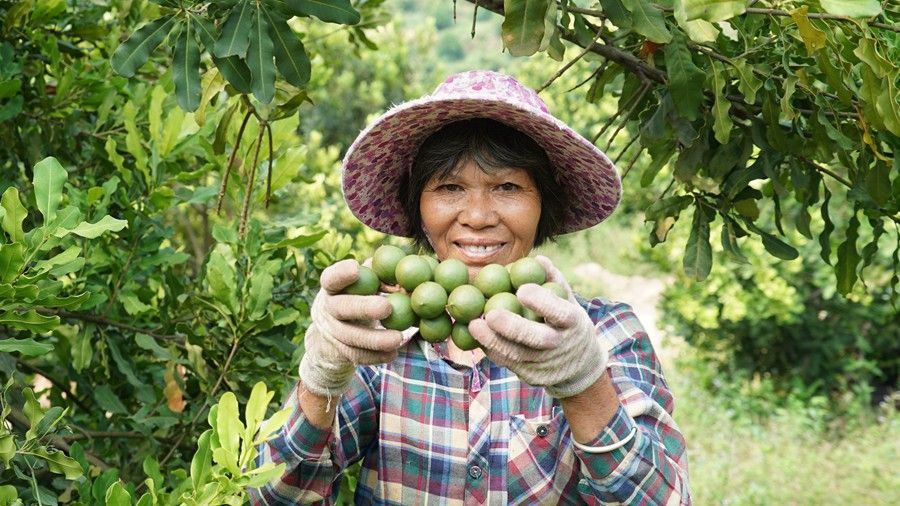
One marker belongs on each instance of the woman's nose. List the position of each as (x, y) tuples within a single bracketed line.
[(479, 211)]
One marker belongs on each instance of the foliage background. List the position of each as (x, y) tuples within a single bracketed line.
[(129, 305)]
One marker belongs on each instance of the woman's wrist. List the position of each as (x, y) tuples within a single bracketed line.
[(590, 411)]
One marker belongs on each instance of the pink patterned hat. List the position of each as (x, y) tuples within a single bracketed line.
[(384, 152)]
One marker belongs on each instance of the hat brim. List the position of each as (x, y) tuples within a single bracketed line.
[(379, 158)]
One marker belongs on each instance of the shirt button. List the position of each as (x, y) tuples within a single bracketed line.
[(542, 431), (475, 472)]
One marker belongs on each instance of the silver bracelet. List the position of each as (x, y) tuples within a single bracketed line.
[(607, 448)]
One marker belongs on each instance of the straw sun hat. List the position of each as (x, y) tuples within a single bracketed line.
[(384, 152)]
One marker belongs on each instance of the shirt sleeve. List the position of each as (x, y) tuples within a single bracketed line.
[(314, 458), (652, 467)]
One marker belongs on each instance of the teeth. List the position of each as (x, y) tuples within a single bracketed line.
[(481, 249)]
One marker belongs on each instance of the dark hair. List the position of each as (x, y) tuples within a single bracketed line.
[(491, 145)]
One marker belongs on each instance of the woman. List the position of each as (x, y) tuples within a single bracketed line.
[(568, 411)]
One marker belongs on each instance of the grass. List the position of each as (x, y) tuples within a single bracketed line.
[(739, 459)]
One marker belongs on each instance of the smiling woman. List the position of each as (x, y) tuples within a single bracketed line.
[(567, 407), (497, 151)]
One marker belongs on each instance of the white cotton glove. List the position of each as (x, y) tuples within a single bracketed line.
[(343, 333), (563, 354)]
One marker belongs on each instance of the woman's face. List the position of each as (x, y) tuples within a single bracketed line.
[(481, 218)]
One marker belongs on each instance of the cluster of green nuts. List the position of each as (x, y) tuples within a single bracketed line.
[(437, 297)]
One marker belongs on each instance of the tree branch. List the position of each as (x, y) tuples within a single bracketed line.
[(18, 419), (88, 434), (56, 383), (607, 51), (106, 321), (837, 177), (818, 15)]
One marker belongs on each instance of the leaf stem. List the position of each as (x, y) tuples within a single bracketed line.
[(251, 179), (567, 66), (625, 119), (237, 144), (271, 164)]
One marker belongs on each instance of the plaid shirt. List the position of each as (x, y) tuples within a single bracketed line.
[(431, 431)]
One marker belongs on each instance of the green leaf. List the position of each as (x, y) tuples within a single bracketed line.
[(255, 410), (135, 51), (30, 320), (669, 206), (648, 21), (117, 495), (10, 88), (721, 106), (94, 230), (232, 68), (12, 259), (228, 424), (186, 68), (713, 10), (852, 8), (617, 13), (226, 459), (698, 252), (235, 37), (148, 343), (264, 474), (747, 82), (7, 452), (12, 108), (787, 110), (729, 241), (25, 347), (813, 38), (777, 247), (14, 214), (868, 252), (825, 236), (32, 411), (301, 241), (220, 276), (290, 55), (331, 11), (523, 25), (49, 177), (201, 463), (59, 463), (132, 303), (878, 183), (70, 254), (272, 425), (259, 58), (82, 349), (108, 400), (888, 107), (698, 30), (260, 294), (151, 469), (867, 52), (847, 258), (683, 79)]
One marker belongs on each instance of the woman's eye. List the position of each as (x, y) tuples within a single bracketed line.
[(449, 187), (508, 187)]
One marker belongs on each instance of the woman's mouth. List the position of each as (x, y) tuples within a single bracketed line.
[(480, 252)]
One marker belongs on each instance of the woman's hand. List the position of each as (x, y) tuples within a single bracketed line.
[(343, 333), (563, 354)]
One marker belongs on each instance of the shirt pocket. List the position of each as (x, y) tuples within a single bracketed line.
[(542, 468)]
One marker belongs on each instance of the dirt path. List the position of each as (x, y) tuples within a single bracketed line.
[(643, 294)]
